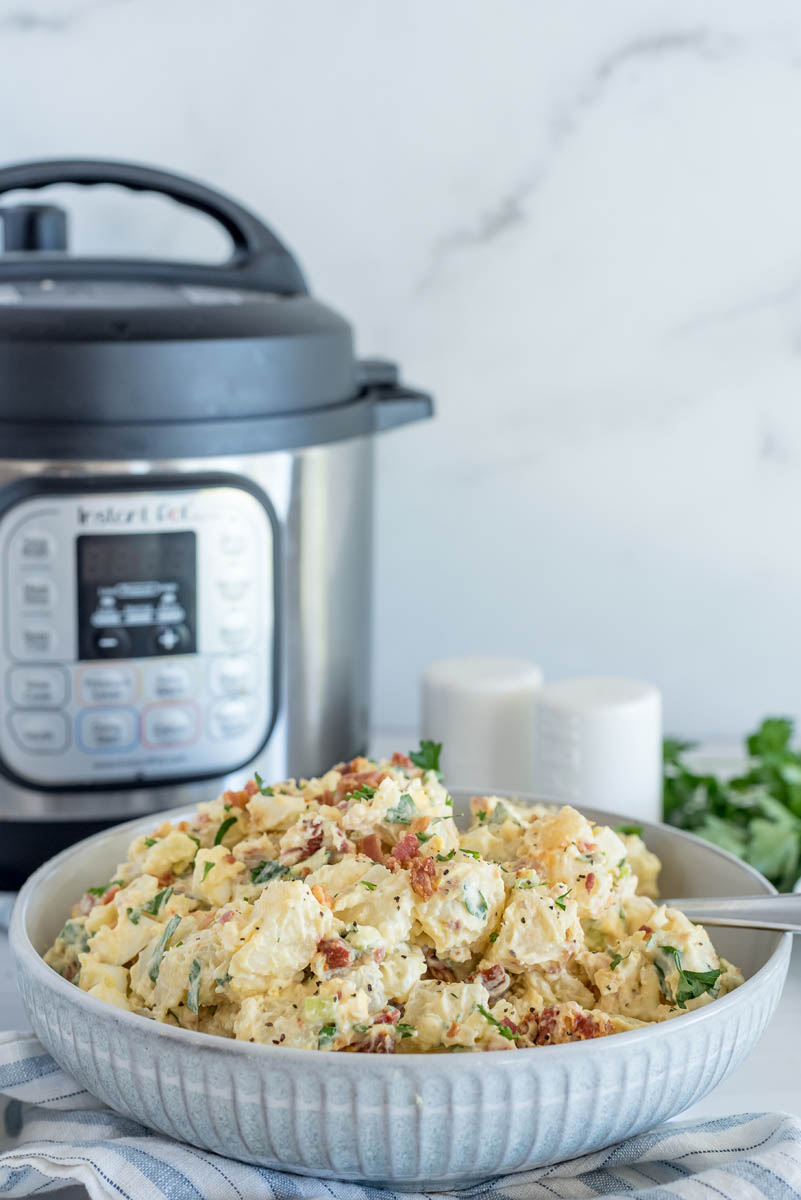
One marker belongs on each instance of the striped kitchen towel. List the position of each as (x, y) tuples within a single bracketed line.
[(54, 1133)]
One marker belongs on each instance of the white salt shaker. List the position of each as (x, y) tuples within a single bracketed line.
[(482, 710), (598, 742)]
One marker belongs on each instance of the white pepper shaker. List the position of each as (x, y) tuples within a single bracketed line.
[(598, 742), (482, 710)]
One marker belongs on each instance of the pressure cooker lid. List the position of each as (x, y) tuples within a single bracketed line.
[(105, 358)]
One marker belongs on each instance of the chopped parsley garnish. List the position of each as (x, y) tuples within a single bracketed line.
[(446, 857), (161, 946), (472, 853), (207, 866), (503, 1030), (403, 812), (224, 827), (449, 801), (560, 900), (630, 830), (150, 842), (221, 982), (482, 815), (194, 839), (475, 901), (617, 960), (500, 814), (266, 871), (101, 891), (152, 906), (422, 838), (494, 935), (406, 1030), (691, 984), (194, 986), (326, 1036), (260, 784), (427, 757), (370, 886), (365, 792), (74, 934), (134, 915)]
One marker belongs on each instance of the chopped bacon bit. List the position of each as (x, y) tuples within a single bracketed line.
[(419, 824), (371, 846), (321, 895), (205, 919), (336, 953), (406, 848), (313, 845), (454, 1029), (70, 971), (401, 760), (494, 979), (109, 894), (387, 1016), (236, 799), (586, 847), (589, 882), (229, 858), (646, 929), (379, 954), (183, 826), (353, 780), (251, 787), (166, 880), (437, 969), (327, 797), (84, 906), (569, 1023), (392, 864), (360, 763), (226, 916), (423, 877), (378, 1041)]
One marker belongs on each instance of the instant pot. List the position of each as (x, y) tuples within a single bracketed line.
[(185, 519)]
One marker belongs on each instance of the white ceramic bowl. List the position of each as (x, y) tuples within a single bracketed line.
[(411, 1121)]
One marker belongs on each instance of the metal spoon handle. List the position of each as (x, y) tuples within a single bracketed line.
[(781, 912)]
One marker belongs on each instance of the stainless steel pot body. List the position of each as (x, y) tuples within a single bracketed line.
[(321, 511)]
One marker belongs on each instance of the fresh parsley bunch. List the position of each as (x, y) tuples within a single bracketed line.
[(757, 815)]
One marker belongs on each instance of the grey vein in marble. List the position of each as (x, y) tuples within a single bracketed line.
[(511, 207), (24, 21)]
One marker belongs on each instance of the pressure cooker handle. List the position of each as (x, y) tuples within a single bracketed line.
[(259, 260), (393, 403)]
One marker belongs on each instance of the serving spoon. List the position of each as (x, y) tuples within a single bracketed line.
[(781, 912)]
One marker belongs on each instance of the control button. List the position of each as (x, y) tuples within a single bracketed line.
[(230, 719), (112, 643), (234, 586), (40, 732), (170, 724), (36, 591), (38, 687), (232, 676), (168, 681), (38, 641), (235, 628), (171, 639), (234, 540), (108, 685), (107, 729), (35, 547)]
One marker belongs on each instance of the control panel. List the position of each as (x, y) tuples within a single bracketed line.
[(136, 634)]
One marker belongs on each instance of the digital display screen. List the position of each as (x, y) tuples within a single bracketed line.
[(136, 594)]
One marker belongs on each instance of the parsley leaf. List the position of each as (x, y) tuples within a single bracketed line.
[(691, 984), (194, 986), (472, 853), (503, 1030), (427, 757), (161, 946), (260, 784), (207, 866), (475, 901), (617, 959), (629, 829), (365, 792), (422, 838), (224, 827), (370, 886), (494, 936), (446, 857), (403, 812), (266, 871), (152, 906), (150, 842), (326, 1036), (560, 900), (405, 1030)]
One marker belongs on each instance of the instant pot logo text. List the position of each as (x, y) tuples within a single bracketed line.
[(117, 516)]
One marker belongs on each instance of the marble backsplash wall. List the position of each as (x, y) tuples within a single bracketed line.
[(578, 224)]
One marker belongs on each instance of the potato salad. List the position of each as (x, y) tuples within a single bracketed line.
[(350, 913)]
